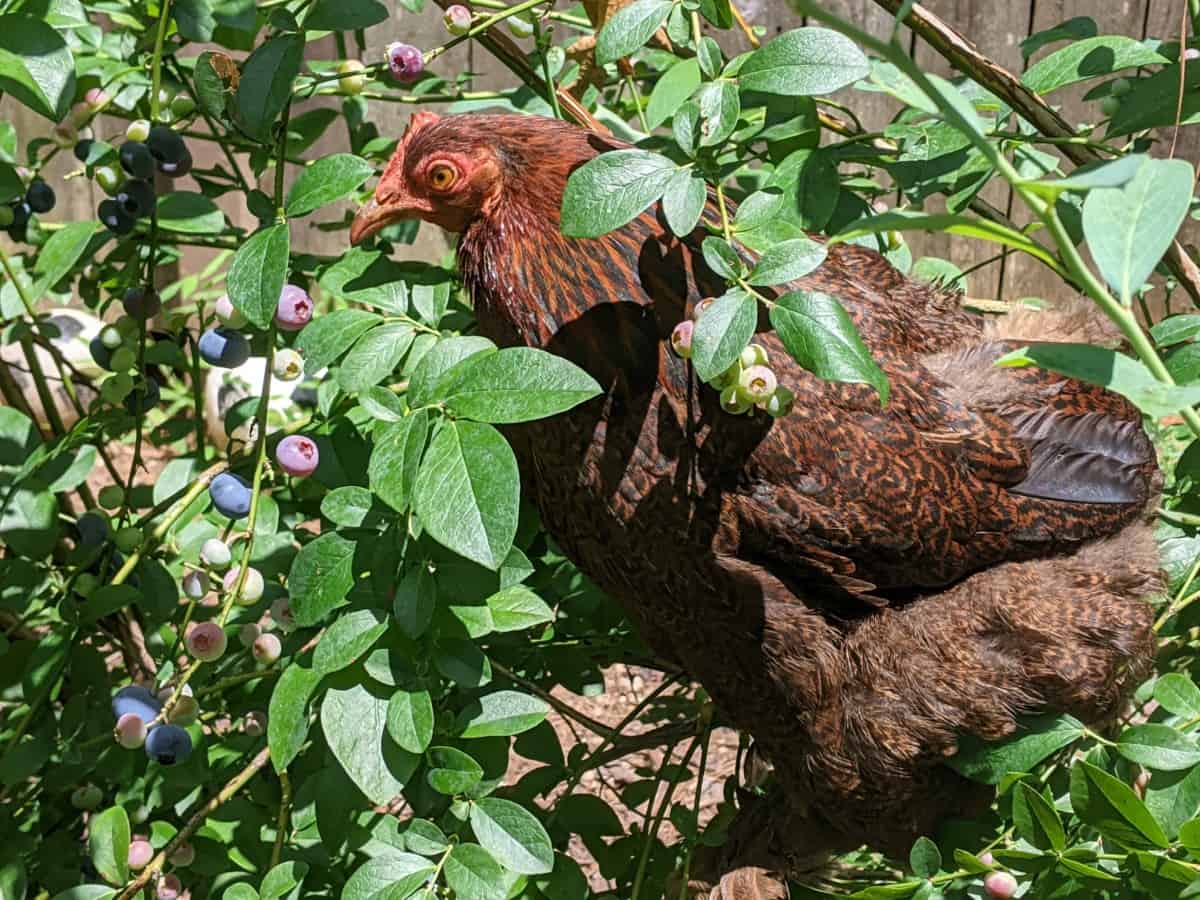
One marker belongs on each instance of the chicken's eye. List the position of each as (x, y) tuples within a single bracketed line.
[(442, 177)]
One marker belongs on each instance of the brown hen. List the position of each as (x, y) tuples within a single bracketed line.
[(858, 587)]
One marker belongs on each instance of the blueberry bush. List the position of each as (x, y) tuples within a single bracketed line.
[(300, 650)]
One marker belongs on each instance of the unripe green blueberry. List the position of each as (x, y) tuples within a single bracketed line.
[(248, 634), (206, 641), (183, 855), (757, 384), (288, 366), (185, 711), (195, 584), (1109, 106), (353, 79), (754, 355), (255, 723), (733, 402), (681, 339), (123, 359), (108, 178), (556, 58), (86, 797), (65, 135), (182, 106), (128, 327), (701, 308), (138, 130), (267, 648), (140, 854), (86, 583), (252, 590), (780, 403), (112, 496), (216, 554), (110, 337), (1120, 87), (130, 731), (128, 538)]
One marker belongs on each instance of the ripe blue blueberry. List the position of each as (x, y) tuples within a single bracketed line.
[(93, 528), (101, 354), (168, 744), (21, 212), (223, 347), (230, 495), (137, 160), (114, 217), (144, 397), (166, 145), (137, 700), (141, 303), (136, 197), (40, 197), (83, 149)]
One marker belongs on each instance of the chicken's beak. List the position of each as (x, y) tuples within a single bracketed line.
[(376, 216)]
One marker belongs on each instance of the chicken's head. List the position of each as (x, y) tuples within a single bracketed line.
[(440, 172)]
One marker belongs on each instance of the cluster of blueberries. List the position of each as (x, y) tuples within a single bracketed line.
[(137, 709), (115, 350), (146, 150), (747, 384), (14, 217)]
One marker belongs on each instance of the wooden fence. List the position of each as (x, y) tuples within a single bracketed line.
[(997, 28)]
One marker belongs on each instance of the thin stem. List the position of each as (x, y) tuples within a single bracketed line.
[(687, 859), (156, 65), (281, 823), (636, 94), (653, 827)]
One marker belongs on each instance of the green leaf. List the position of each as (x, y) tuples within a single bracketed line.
[(396, 458), (287, 716), (613, 189), (925, 859), (282, 880), (347, 639), (327, 180), (516, 384), (804, 62), (345, 15), (416, 600), (1158, 747), (1178, 694), (374, 356), (1036, 819), (410, 720), (11, 185), (186, 212), (441, 358), (451, 771), (787, 261), (719, 110), (1176, 329), (629, 29), (36, 67), (327, 337), (670, 91), (88, 892), (1089, 58), (1128, 229), (321, 576), (194, 19), (212, 79), (354, 721), (1173, 798), (1154, 101), (473, 874), (1038, 737), (59, 255), (723, 332), (819, 334), (1111, 174), (265, 87), (381, 404), (29, 521), (1098, 365), (513, 835), (14, 880), (257, 274), (393, 876), (516, 608), (721, 257), (500, 714), (684, 200), (108, 841), (1111, 806), (468, 491), (347, 506)]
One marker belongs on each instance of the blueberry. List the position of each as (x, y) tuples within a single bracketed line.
[(166, 145), (83, 148), (405, 61), (93, 528), (141, 303), (249, 633), (230, 495), (144, 397), (288, 365), (224, 348), (183, 855), (40, 197), (353, 79), (297, 455), (114, 217), (169, 888), (131, 731), (86, 796), (206, 641), (140, 854), (195, 584), (136, 197), (21, 212), (457, 19), (252, 587), (168, 744), (177, 168), (137, 160), (138, 130), (757, 384), (137, 700), (267, 648), (101, 354), (215, 554), (295, 308), (681, 339), (108, 178)]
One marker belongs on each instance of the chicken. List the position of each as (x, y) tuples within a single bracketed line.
[(858, 587)]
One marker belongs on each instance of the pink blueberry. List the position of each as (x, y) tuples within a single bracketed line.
[(169, 888), (131, 731), (140, 853), (405, 61), (297, 455), (267, 648), (255, 723), (253, 588), (206, 641), (457, 19), (183, 855), (1000, 886), (681, 339), (295, 308)]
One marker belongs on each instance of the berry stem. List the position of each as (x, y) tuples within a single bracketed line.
[(281, 823), (156, 64)]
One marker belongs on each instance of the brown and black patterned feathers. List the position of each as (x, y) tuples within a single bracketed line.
[(858, 586)]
